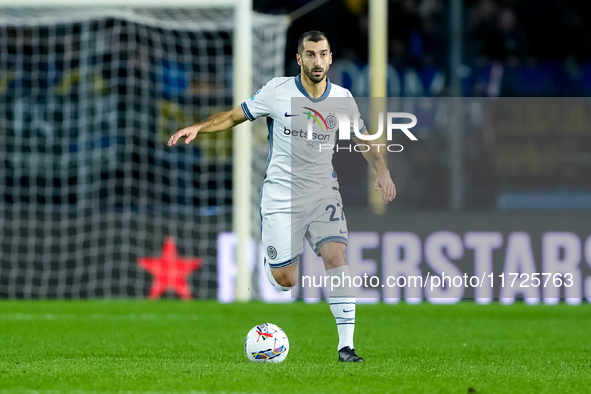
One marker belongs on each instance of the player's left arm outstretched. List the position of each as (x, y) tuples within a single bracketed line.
[(383, 179)]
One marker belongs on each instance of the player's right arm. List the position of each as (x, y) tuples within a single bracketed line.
[(218, 122)]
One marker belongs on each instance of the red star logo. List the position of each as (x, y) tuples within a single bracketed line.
[(170, 271)]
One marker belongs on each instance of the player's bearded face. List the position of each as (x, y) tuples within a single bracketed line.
[(315, 60)]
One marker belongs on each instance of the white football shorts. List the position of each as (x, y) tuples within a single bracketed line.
[(283, 230)]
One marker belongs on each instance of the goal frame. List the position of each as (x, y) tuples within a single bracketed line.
[(242, 89)]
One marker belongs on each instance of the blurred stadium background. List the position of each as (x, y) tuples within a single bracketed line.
[(89, 190)]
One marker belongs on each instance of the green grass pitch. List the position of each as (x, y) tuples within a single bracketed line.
[(197, 347)]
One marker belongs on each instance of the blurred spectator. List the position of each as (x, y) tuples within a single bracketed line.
[(404, 32), (495, 35), (433, 33), (510, 43)]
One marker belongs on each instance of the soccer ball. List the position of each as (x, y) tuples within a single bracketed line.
[(266, 343)]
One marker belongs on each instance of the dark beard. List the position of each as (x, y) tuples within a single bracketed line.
[(313, 78)]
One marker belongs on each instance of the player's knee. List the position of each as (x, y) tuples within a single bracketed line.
[(334, 254), (285, 278), (335, 258)]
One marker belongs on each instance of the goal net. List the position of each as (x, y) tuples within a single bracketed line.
[(89, 191)]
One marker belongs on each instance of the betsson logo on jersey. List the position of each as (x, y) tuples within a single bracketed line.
[(344, 127), (305, 134)]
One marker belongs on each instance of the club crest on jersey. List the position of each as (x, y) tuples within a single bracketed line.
[(272, 252), (331, 121)]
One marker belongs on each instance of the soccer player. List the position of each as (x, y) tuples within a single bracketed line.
[(300, 196)]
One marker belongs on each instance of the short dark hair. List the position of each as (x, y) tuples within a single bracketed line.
[(314, 36)]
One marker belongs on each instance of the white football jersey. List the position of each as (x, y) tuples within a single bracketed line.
[(298, 168)]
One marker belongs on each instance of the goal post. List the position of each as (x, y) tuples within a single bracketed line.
[(239, 21), (242, 148), (378, 74)]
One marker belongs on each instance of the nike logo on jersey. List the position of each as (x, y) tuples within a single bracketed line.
[(288, 115), (347, 311), (342, 232)]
